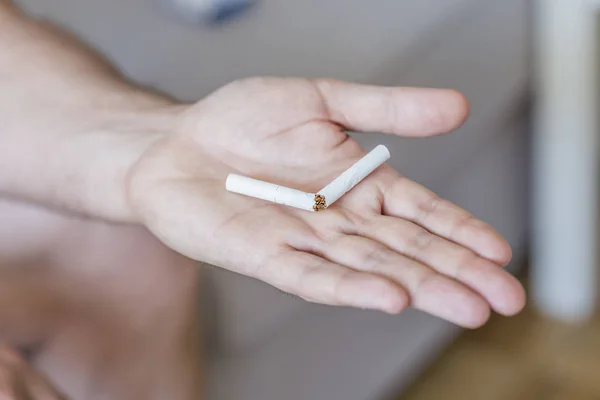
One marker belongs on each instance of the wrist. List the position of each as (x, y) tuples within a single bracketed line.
[(119, 142)]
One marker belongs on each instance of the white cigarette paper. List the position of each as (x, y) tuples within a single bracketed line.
[(310, 201), (270, 192), (355, 174)]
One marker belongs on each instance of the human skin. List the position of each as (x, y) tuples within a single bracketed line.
[(95, 153), (19, 381), (84, 140)]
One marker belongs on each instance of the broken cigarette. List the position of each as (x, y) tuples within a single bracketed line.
[(270, 192), (310, 201), (354, 175)]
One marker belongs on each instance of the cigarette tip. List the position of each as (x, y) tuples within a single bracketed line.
[(384, 148), (320, 203), (229, 182)]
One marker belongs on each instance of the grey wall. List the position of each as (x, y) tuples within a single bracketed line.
[(349, 39)]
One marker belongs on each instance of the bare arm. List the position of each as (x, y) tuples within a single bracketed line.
[(71, 127), (76, 135)]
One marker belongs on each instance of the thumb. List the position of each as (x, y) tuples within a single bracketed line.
[(413, 112)]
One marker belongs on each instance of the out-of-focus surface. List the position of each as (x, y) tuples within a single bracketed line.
[(522, 358), (565, 169)]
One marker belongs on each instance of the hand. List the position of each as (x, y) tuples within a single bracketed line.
[(386, 245), (18, 381), (80, 294)]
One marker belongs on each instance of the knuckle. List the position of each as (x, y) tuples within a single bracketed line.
[(375, 258), (413, 274), (351, 221), (392, 111), (430, 204), (335, 297), (422, 279), (312, 285), (311, 239), (331, 224), (420, 240), (464, 258), (460, 222), (428, 207)]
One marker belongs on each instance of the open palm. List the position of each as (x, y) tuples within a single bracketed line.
[(387, 245)]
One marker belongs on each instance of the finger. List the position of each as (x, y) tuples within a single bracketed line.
[(429, 291), (27, 383), (37, 386), (40, 388), (400, 111), (406, 199), (318, 280), (502, 291)]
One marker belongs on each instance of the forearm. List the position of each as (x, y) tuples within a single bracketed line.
[(71, 126)]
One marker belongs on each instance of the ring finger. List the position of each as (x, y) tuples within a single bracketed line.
[(429, 291), (504, 293)]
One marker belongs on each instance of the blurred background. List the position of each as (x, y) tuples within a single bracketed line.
[(263, 344)]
